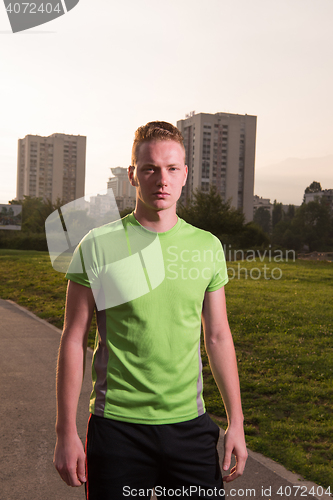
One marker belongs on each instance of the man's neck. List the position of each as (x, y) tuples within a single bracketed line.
[(157, 220)]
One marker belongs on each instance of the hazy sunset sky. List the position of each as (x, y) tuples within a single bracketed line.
[(107, 67)]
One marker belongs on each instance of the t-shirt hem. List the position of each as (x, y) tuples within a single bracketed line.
[(217, 287), (73, 277), (159, 421)]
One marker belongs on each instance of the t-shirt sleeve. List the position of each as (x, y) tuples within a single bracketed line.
[(220, 277), (83, 268), (76, 269)]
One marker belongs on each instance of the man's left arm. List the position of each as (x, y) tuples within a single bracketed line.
[(222, 358)]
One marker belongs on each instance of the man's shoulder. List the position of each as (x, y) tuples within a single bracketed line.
[(199, 233)]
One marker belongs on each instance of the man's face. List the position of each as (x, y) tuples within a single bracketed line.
[(159, 175)]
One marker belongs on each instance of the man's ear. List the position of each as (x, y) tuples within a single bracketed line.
[(186, 170), (131, 178)]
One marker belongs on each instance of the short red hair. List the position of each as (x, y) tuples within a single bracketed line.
[(155, 131)]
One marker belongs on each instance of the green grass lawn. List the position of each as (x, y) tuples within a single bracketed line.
[(29, 280), (282, 330)]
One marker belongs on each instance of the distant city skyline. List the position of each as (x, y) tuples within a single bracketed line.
[(52, 167), (103, 76), (286, 181)]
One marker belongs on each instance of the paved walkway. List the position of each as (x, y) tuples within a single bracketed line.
[(27, 416)]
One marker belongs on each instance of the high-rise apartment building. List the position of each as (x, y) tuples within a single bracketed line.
[(51, 167), (220, 151), (124, 192)]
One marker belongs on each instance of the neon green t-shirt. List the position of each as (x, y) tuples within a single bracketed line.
[(149, 289)]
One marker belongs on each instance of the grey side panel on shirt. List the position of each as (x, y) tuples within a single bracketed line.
[(199, 385), (101, 365)]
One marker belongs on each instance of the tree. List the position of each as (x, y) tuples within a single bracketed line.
[(277, 214), (262, 218), (208, 211), (34, 212), (253, 236), (313, 225), (314, 187), (290, 213), (283, 236)]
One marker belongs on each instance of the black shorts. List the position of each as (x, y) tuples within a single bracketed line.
[(126, 460)]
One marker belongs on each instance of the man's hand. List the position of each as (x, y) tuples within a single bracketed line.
[(234, 443), (69, 460), (223, 363), (69, 456)]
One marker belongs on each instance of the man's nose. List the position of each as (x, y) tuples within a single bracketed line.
[(162, 178)]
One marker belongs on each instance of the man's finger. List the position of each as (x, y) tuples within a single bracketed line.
[(76, 481), (237, 470), (70, 477), (81, 469), (227, 458)]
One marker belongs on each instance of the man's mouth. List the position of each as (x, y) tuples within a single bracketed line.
[(161, 194)]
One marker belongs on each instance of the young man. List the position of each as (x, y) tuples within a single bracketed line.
[(152, 278)]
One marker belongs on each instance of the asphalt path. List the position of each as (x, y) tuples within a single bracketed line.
[(29, 348)]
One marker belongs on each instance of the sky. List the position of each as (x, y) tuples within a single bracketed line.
[(107, 67)]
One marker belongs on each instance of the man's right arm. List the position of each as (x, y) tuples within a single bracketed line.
[(69, 456)]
